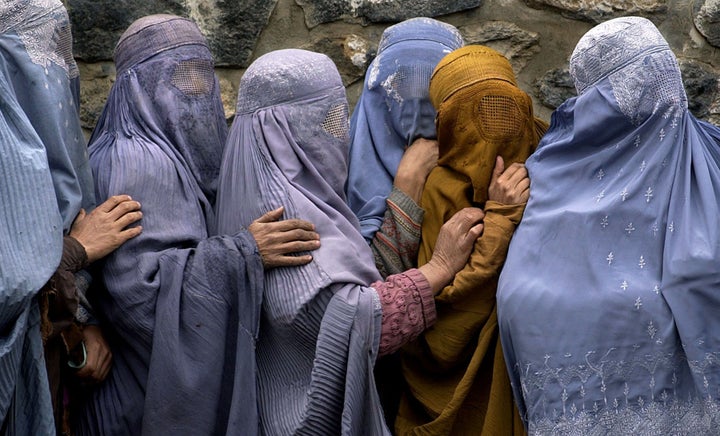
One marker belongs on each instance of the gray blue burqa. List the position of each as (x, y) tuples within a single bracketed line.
[(36, 52), (320, 325), (181, 306), (30, 250), (394, 109), (608, 302), (43, 164)]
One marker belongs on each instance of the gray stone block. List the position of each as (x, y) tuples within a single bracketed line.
[(231, 26), (374, 11), (516, 44), (554, 87), (707, 20), (601, 10)]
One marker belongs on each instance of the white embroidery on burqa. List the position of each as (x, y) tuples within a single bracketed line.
[(615, 51), (43, 26)]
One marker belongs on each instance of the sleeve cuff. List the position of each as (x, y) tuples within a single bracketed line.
[(426, 295)]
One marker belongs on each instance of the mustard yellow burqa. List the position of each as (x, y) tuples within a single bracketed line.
[(457, 383)]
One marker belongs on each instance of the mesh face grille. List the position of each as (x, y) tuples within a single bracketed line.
[(64, 48), (194, 77), (413, 81), (499, 116), (336, 121)]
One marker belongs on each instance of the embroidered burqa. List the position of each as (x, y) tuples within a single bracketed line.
[(182, 308), (394, 109), (36, 51), (320, 322), (40, 81), (455, 372), (608, 301), (30, 249)]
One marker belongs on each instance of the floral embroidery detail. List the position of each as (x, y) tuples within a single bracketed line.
[(648, 194), (629, 229), (657, 289), (604, 222), (654, 229), (610, 258), (638, 303), (671, 227), (643, 166), (600, 174), (662, 134), (641, 262), (600, 196), (624, 285), (651, 330), (624, 194)]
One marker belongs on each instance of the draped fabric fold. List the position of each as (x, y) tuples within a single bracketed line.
[(456, 379), (320, 323), (607, 300), (181, 306), (393, 110)]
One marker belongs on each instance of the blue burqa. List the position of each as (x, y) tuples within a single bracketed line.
[(320, 325), (45, 181), (30, 250), (394, 110), (608, 302), (181, 306), (36, 54)]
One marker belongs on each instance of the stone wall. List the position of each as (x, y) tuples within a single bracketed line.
[(537, 36)]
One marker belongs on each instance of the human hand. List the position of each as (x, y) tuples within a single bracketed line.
[(99, 356), (104, 229), (277, 240), (453, 246), (417, 162), (509, 186)]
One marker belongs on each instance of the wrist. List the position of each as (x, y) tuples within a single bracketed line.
[(437, 275)]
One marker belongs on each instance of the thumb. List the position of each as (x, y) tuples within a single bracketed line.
[(499, 168), (80, 216), (271, 216)]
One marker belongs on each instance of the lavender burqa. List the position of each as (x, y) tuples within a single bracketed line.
[(181, 306), (320, 326)]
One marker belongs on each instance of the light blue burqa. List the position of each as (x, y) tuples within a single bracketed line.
[(394, 109), (43, 163), (30, 250), (608, 302), (320, 325), (36, 52)]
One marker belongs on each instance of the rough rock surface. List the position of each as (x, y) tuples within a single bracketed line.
[(351, 54), (516, 44), (601, 10), (707, 20), (701, 87), (554, 87), (232, 27), (378, 11)]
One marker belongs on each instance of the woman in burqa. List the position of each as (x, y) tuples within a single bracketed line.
[(456, 379), (608, 301), (42, 78), (181, 306), (394, 114), (324, 323)]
